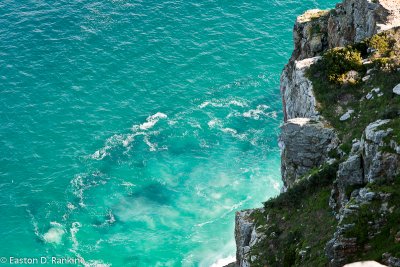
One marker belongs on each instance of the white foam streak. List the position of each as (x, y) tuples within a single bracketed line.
[(74, 229), (224, 261), (213, 123), (222, 104), (152, 120), (153, 147), (35, 224), (234, 133), (260, 111), (78, 185)]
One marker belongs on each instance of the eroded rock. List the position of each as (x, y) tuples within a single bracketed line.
[(305, 144)]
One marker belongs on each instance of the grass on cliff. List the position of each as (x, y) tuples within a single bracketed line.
[(299, 223), (372, 243), (339, 86), (394, 135)]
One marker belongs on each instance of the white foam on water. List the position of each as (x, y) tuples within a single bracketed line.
[(78, 185), (34, 224), (224, 261), (234, 133), (90, 263), (99, 154), (194, 124), (152, 120), (125, 140), (223, 103), (73, 230), (217, 258), (127, 184), (203, 144), (110, 143), (213, 123), (229, 130), (54, 234), (258, 112), (238, 103), (276, 186), (114, 141), (71, 206), (204, 104), (152, 146), (234, 114)]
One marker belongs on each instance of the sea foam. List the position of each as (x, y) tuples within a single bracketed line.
[(152, 120), (54, 234)]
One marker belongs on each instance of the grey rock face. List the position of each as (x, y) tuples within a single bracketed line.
[(350, 173), (396, 89), (305, 144), (355, 20), (347, 115), (297, 91), (316, 31), (366, 162), (340, 248), (243, 229), (309, 34), (351, 21), (246, 235), (378, 164)]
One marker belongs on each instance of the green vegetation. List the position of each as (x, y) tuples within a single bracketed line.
[(317, 179), (290, 216), (300, 221), (337, 93), (382, 241), (383, 44), (394, 124), (384, 51), (338, 62)]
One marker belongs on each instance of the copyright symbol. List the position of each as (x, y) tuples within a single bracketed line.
[(3, 260)]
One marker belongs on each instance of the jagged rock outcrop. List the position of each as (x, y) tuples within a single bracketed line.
[(377, 163), (246, 236), (316, 31), (310, 34), (297, 91), (351, 21), (344, 245), (354, 20), (350, 174), (366, 163), (243, 228), (305, 144)]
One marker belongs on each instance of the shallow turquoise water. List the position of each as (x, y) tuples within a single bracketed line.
[(131, 131)]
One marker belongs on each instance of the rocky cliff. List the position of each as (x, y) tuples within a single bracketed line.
[(340, 145)]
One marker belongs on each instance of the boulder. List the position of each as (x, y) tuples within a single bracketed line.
[(305, 144), (346, 115), (396, 89), (377, 163)]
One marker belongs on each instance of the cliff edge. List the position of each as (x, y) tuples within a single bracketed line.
[(340, 144)]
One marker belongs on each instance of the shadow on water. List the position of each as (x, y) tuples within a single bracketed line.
[(155, 193)]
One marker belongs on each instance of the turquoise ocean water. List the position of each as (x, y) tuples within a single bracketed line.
[(132, 130)]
